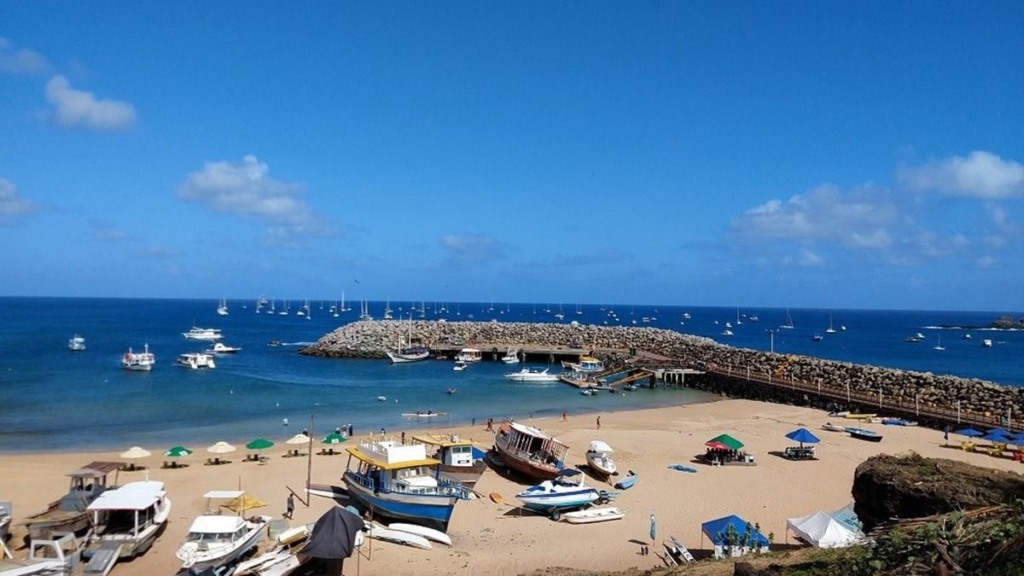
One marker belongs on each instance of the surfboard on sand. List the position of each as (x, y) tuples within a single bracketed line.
[(428, 533)]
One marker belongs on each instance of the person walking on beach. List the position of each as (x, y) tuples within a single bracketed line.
[(598, 422), (290, 506), (565, 418)]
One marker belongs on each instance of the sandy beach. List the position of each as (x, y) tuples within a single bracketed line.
[(498, 538)]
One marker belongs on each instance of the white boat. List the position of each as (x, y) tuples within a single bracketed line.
[(216, 540), (511, 356), (378, 532), (460, 365), (938, 346), (428, 533), (406, 352), (221, 348), (138, 361), (788, 324), (726, 332), (587, 364), (46, 557), (986, 343), (126, 521), (599, 458), (5, 520), (469, 355), (364, 313), (531, 375), (222, 308), (596, 514), (197, 333), (76, 343), (830, 329), (567, 490), (196, 360)]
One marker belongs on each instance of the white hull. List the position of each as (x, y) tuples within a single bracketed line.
[(591, 515), (428, 533), (399, 358), (397, 537), (528, 375), (219, 554), (601, 463)]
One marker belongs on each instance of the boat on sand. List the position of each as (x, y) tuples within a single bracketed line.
[(596, 514), (529, 451)]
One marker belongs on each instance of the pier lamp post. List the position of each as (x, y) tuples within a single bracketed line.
[(771, 340)]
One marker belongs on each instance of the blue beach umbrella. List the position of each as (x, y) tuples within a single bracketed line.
[(803, 435), (996, 436), (654, 527), (970, 432)]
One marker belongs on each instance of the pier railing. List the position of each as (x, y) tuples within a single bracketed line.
[(872, 401)]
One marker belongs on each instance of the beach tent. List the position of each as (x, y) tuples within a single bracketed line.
[(847, 517), (822, 530), (747, 540), (970, 432), (724, 442)]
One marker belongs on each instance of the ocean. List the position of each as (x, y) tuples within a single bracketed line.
[(52, 399)]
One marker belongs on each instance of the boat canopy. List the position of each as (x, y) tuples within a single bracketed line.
[(443, 440), (223, 493), (96, 469), (372, 460), (216, 524), (131, 496)]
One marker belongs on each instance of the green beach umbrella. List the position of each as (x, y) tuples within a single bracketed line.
[(259, 444), (333, 438), (177, 452), (724, 442)]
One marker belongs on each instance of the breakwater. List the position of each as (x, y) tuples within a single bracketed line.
[(733, 371)]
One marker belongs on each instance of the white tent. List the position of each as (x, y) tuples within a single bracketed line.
[(822, 530)]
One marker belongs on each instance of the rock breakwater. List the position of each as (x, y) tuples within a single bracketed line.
[(371, 339)]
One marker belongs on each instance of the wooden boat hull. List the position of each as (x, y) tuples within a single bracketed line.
[(434, 510), (468, 475), (42, 526)]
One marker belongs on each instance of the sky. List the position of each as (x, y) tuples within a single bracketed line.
[(752, 154)]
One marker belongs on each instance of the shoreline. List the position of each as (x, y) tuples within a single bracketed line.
[(490, 537)]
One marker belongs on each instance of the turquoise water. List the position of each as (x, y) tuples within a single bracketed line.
[(54, 399)]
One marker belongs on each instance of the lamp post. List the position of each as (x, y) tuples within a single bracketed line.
[(771, 340)]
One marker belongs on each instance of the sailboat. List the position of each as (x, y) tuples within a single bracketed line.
[(939, 346), (830, 329), (364, 312), (222, 308), (788, 324)]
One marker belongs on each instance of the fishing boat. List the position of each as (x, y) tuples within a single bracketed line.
[(69, 513), (468, 355), (529, 451), (196, 360), (126, 521), (406, 352), (76, 343), (565, 491), (511, 356), (400, 482), (600, 460), (459, 366), (596, 514), (138, 361), (215, 540), (459, 457), (864, 434), (587, 364)]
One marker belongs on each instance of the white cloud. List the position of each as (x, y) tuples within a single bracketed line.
[(856, 218), (248, 190), (980, 175), (79, 108), (23, 61), (12, 204), (107, 233), (985, 262), (472, 248)]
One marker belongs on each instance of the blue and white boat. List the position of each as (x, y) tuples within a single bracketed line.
[(566, 491), (402, 483)]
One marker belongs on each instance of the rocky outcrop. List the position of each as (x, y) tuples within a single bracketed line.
[(900, 487)]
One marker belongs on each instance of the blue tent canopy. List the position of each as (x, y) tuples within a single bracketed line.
[(716, 531), (996, 436), (802, 435), (970, 432)]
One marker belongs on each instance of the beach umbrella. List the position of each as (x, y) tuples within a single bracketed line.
[(333, 438), (299, 438), (998, 430), (259, 444), (177, 452), (970, 432), (803, 435), (724, 442), (135, 452), (243, 503), (997, 436), (654, 527), (220, 448)]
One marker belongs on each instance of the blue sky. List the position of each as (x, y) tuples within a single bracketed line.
[(866, 155)]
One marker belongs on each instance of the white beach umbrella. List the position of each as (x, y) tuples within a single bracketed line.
[(220, 448), (298, 439), (135, 452)]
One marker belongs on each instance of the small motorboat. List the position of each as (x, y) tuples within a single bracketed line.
[(833, 427), (864, 434), (597, 514), (600, 460), (451, 390), (627, 482), (460, 365), (566, 491)]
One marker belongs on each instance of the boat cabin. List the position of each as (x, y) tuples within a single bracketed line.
[(469, 355), (451, 450), (87, 483)]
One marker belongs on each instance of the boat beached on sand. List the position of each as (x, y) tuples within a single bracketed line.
[(69, 513), (458, 457), (215, 539), (400, 482), (529, 451), (126, 521), (600, 460), (596, 514), (566, 491)]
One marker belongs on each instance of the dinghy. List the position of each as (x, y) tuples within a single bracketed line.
[(591, 515), (428, 533), (378, 532), (626, 482)]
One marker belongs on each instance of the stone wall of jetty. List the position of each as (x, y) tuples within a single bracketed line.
[(371, 339)]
